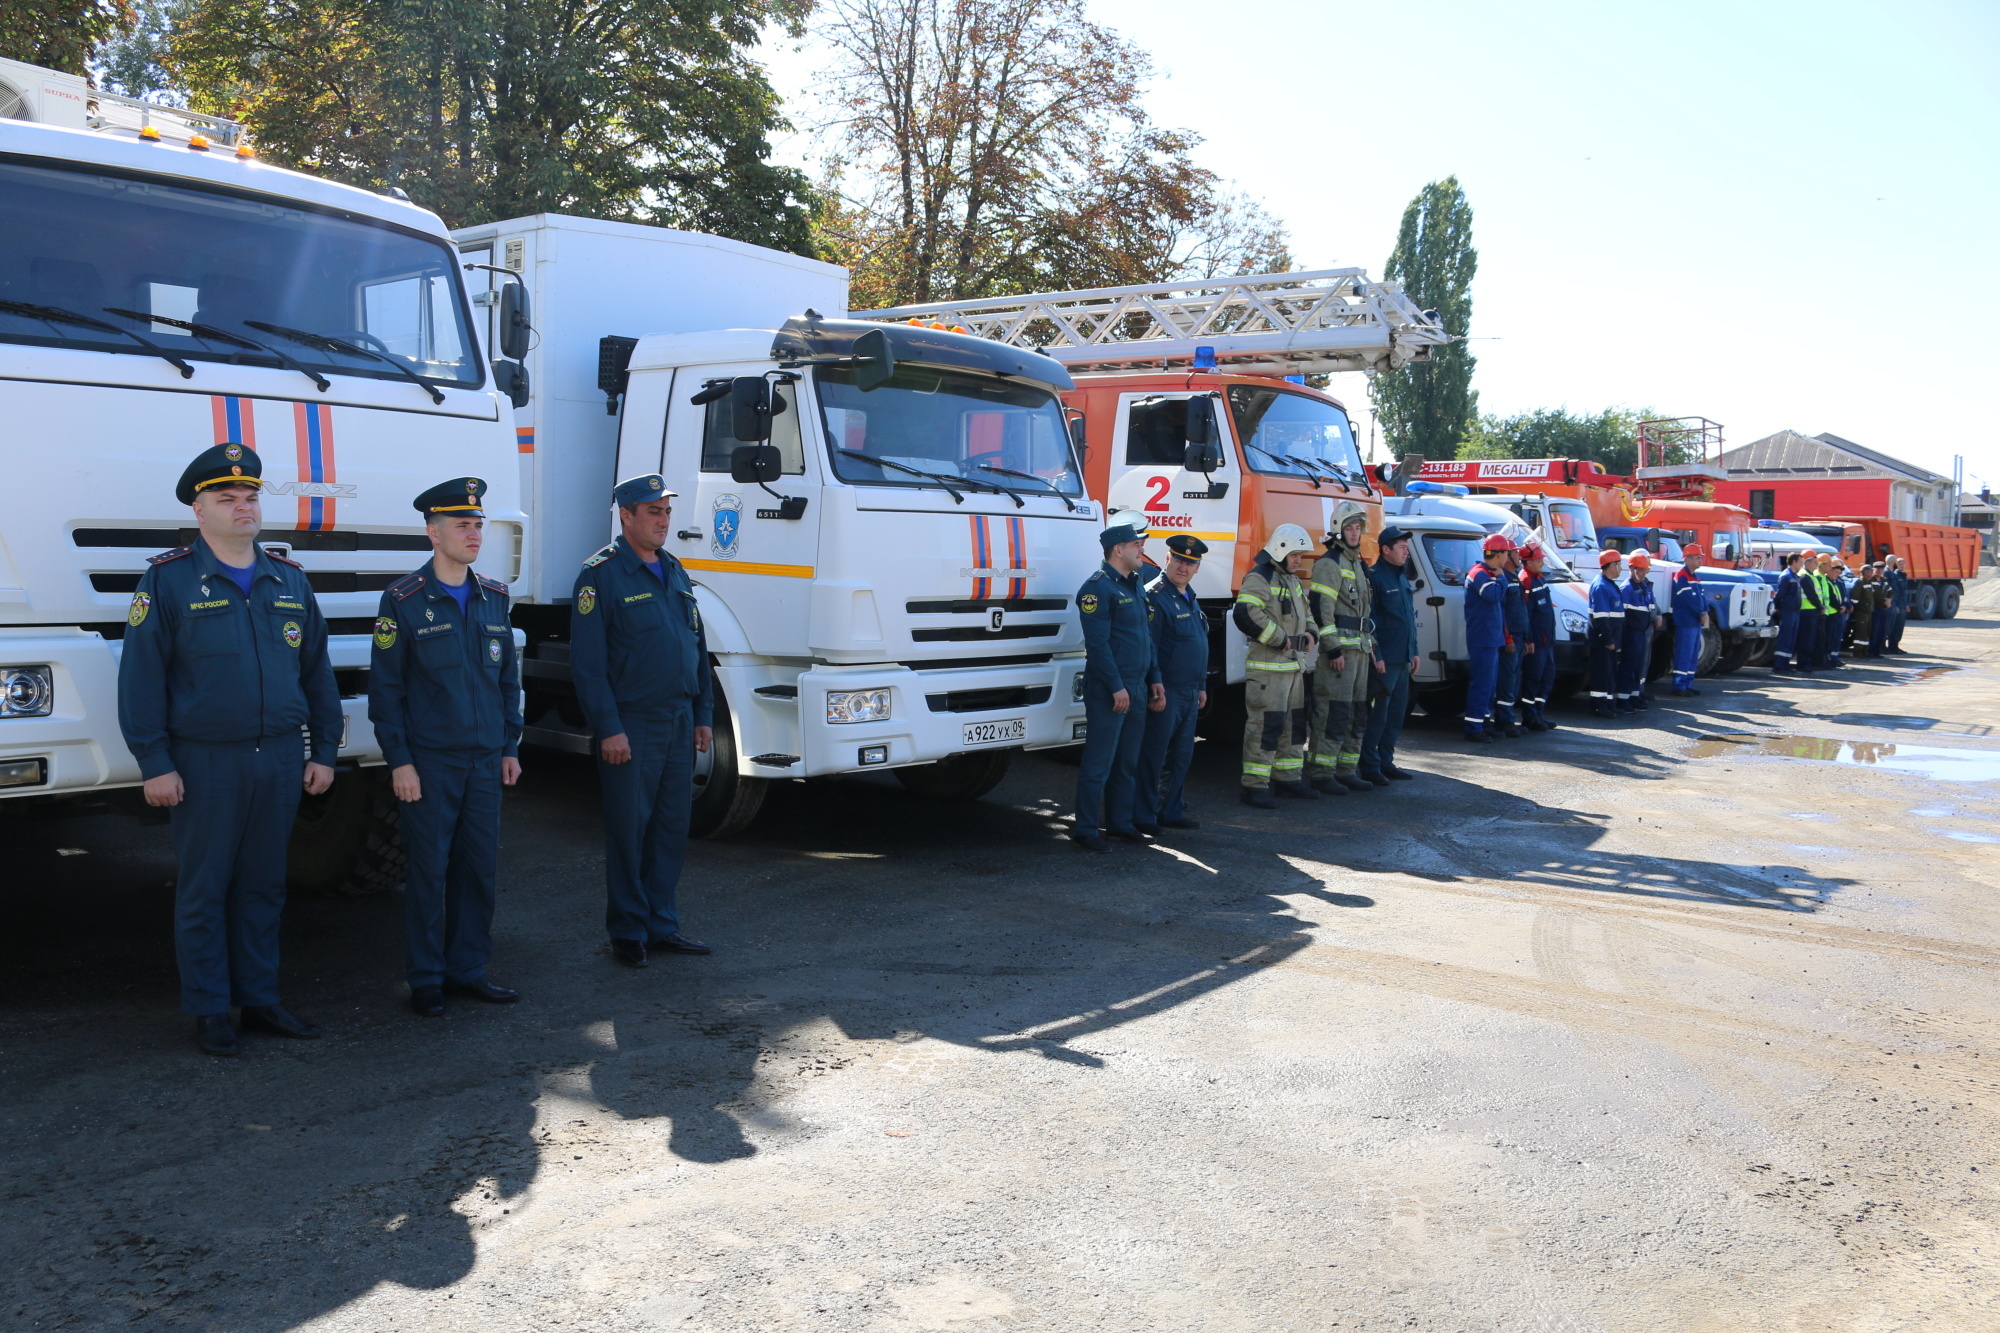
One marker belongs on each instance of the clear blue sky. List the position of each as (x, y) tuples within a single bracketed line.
[(1776, 215)]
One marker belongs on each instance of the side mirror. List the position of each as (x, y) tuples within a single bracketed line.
[(514, 325), (750, 409), (511, 378), (1200, 427), (755, 464), (874, 362)]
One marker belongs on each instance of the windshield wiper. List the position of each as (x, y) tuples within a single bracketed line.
[(54, 314), (326, 344), (915, 472), (1029, 476), (1293, 459), (213, 334)]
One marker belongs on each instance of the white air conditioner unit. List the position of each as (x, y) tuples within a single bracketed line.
[(45, 96)]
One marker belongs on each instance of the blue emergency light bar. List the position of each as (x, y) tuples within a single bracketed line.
[(1773, 523), (1437, 488)]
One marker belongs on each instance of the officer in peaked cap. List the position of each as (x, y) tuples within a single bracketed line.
[(224, 665), (640, 665), (1121, 683), (444, 693), (1180, 643)]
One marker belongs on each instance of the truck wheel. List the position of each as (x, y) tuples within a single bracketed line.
[(346, 842), (1711, 652), (1923, 601), (1764, 653), (725, 802), (960, 777), (1736, 656), (1949, 597)]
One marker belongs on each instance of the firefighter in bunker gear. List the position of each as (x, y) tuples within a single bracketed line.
[(1339, 598), (1271, 611)]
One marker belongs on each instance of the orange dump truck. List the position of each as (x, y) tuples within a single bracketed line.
[(1939, 559)]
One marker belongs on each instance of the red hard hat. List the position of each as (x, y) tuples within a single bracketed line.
[(1532, 550), (1694, 550), (1499, 541), (1608, 555)]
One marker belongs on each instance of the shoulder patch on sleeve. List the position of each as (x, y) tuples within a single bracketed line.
[(1087, 603), (406, 585), (491, 585), (165, 556), (600, 557)]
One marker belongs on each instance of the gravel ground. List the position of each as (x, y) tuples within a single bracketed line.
[(1606, 1030)]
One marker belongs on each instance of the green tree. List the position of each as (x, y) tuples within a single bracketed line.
[(61, 34), (133, 61), (1608, 438), (1429, 408), (636, 110)]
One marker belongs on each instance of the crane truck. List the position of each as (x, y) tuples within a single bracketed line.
[(162, 291)]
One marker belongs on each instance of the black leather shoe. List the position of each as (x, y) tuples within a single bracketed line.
[(1371, 777), (1182, 822), (677, 943), (427, 1002), (1298, 791), (1090, 842), (215, 1034), (632, 953), (1686, 694), (1260, 797), (1150, 830), (1355, 782), (1394, 774), (1535, 724), (277, 1020), (1128, 835), (1602, 710), (483, 991), (1329, 786), (1479, 737)]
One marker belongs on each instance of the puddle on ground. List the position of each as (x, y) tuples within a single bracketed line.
[(1928, 673), (1967, 837), (1931, 761), (1933, 811), (1804, 814)]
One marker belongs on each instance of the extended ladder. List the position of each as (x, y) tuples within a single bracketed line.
[(1311, 322)]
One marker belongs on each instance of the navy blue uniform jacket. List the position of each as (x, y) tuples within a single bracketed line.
[(1515, 610), (1541, 609), (201, 663), (1180, 635), (636, 643), (1690, 602), (1112, 607), (443, 681), (1485, 591), (1395, 613), (1607, 613), (1789, 592)]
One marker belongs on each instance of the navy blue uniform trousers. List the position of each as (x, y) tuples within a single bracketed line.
[(452, 839), (1687, 655), (1635, 657), (1161, 792), (647, 800), (1506, 685), (1485, 664), (230, 831), (1788, 640), (1108, 773), (1538, 679), (1388, 702)]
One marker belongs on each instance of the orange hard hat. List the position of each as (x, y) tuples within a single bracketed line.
[(1642, 556), (1694, 550), (1608, 556)]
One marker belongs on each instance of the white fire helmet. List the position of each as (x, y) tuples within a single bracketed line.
[(1132, 519), (1287, 540)]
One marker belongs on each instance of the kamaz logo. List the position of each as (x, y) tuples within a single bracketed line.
[(328, 489)]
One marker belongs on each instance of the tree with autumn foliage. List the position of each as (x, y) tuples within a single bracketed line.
[(998, 146)]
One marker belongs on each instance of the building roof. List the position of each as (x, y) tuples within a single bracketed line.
[(1788, 453)]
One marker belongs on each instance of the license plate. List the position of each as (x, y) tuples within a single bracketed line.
[(992, 733)]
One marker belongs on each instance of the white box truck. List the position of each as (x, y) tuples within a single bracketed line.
[(162, 292), (886, 582)]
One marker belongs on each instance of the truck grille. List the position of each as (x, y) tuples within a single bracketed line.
[(979, 633), (983, 701), (950, 608)]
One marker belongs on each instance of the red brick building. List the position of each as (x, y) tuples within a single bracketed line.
[(1792, 476)]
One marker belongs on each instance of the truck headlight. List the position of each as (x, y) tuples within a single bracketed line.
[(1576, 622), (27, 691), (846, 706)]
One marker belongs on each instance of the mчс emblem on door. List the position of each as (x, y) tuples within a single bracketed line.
[(726, 525)]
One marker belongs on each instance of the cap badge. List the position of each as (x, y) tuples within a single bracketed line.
[(654, 482), (233, 452), (472, 485), (236, 472)]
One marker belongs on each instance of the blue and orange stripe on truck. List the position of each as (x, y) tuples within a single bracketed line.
[(983, 564), (235, 420), (313, 429)]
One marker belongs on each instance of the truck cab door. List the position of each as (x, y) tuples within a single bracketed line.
[(733, 536), (1436, 615), (1147, 445)]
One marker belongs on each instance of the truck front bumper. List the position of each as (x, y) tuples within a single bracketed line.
[(934, 714), (78, 744)]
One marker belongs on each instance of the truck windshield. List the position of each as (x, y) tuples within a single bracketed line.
[(949, 423), (1452, 557), (1290, 434), (1573, 530), (134, 252)]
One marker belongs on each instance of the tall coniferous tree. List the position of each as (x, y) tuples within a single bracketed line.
[(1429, 408)]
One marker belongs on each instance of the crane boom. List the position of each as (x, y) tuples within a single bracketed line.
[(1315, 321)]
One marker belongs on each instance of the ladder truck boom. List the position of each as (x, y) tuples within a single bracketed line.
[(1315, 321)]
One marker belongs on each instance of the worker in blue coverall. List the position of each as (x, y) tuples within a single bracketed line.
[(1393, 603), (1485, 633), (1121, 684), (1180, 645), (1786, 601), (1635, 644), (226, 700), (1538, 660), (1690, 604), (639, 660), (1507, 713), (1607, 632), (444, 695)]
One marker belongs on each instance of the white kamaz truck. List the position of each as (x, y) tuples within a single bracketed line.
[(161, 291), (885, 525)]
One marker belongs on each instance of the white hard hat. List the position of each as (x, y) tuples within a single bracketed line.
[(1287, 540), (1132, 519)]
